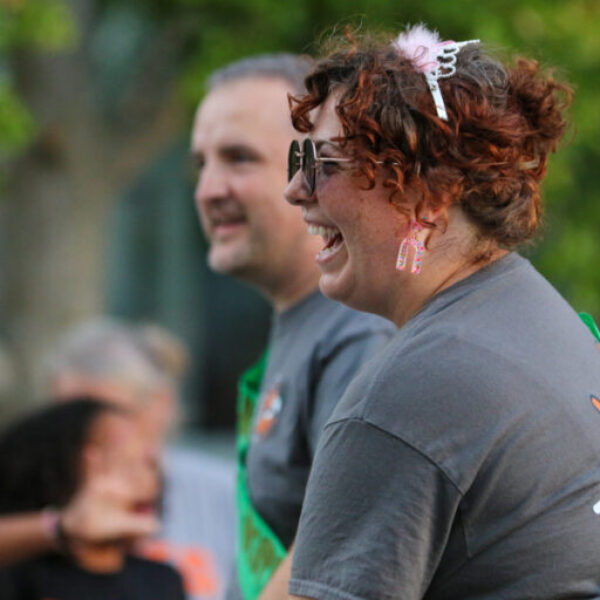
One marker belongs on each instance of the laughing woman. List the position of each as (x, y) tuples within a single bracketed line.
[(464, 462)]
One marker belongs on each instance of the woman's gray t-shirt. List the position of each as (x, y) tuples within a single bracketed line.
[(464, 461)]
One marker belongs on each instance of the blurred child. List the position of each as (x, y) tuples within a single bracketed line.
[(45, 459), (139, 367)]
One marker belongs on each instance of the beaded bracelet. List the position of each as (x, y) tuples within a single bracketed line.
[(53, 529)]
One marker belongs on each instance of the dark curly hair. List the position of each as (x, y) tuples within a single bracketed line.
[(490, 155), (41, 454)]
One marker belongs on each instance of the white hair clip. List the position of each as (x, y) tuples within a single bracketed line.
[(432, 57)]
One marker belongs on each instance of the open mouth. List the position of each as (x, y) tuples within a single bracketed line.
[(331, 236), (224, 225), (147, 507), (223, 221), (223, 216)]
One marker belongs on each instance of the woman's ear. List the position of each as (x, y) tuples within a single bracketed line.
[(436, 217), (435, 221)]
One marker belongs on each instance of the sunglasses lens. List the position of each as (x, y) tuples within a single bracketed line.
[(294, 159), (308, 150)]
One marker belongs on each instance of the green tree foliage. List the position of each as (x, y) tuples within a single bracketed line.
[(43, 24), (16, 124), (208, 33)]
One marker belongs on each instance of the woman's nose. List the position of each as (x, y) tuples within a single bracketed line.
[(296, 192)]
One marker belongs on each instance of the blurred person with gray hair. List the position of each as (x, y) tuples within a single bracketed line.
[(137, 365), (241, 134)]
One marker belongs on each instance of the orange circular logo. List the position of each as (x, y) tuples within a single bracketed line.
[(270, 407)]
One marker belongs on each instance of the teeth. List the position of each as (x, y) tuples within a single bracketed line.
[(326, 252), (325, 232)]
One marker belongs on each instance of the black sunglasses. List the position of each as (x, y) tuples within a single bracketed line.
[(306, 158)]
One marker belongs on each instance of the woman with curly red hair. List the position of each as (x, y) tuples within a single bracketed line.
[(462, 462)]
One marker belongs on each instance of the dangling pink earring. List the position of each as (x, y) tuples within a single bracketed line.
[(411, 241)]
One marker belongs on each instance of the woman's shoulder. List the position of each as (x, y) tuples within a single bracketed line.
[(451, 392)]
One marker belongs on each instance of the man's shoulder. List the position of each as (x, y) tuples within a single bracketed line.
[(342, 323), (319, 328)]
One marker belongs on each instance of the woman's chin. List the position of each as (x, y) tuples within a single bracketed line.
[(344, 290), (336, 287)]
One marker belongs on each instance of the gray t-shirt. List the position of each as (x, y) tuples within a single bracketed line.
[(464, 461), (315, 349)]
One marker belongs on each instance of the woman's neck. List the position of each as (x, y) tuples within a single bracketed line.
[(451, 256)]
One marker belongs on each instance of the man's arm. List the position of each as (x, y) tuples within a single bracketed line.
[(277, 588)]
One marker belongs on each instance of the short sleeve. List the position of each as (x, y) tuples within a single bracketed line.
[(375, 520), (334, 373)]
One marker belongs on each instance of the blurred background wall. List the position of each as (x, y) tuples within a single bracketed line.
[(96, 208)]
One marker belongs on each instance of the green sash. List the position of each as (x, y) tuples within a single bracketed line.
[(589, 321), (259, 549)]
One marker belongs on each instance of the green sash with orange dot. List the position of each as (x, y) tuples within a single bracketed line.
[(259, 550)]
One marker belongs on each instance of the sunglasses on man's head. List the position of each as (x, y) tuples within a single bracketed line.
[(305, 157)]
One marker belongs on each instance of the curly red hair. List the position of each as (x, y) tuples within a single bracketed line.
[(489, 157)]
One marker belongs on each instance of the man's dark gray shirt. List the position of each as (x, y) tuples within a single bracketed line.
[(315, 349)]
